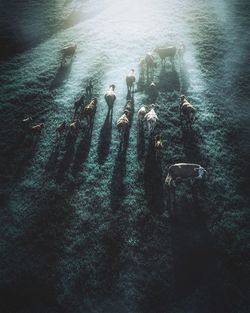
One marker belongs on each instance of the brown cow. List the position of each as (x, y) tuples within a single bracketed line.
[(74, 127), (122, 125), (187, 109), (184, 171), (61, 128), (129, 107), (89, 111), (79, 102), (158, 146)]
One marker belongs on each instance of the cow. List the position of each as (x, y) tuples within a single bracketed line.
[(68, 51), (61, 128), (141, 115), (129, 107), (153, 92), (181, 50), (110, 97), (157, 146), (26, 122), (122, 125), (168, 52), (37, 128), (181, 171), (187, 109), (151, 118), (150, 65), (79, 102), (89, 111), (89, 88), (130, 80), (74, 127)]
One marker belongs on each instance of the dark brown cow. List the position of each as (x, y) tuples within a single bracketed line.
[(187, 109), (74, 127), (89, 111), (128, 107), (79, 102), (181, 171), (122, 125), (61, 128), (158, 146)]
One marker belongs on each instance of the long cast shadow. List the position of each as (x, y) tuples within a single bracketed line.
[(184, 79), (105, 139), (118, 191), (153, 181), (82, 150), (61, 75), (195, 261), (53, 158), (169, 80), (140, 142), (191, 142), (27, 152), (68, 156), (34, 282)]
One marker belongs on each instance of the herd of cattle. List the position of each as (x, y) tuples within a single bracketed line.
[(86, 106)]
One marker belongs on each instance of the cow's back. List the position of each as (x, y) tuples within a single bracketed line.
[(167, 52), (183, 170)]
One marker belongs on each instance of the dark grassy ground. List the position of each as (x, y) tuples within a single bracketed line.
[(87, 227)]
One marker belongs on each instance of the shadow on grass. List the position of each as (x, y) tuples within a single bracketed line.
[(32, 285), (195, 263), (64, 164), (105, 138), (169, 80), (118, 190), (82, 150), (61, 75), (53, 158), (27, 293), (184, 79), (153, 181), (191, 141), (26, 148), (140, 141)]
